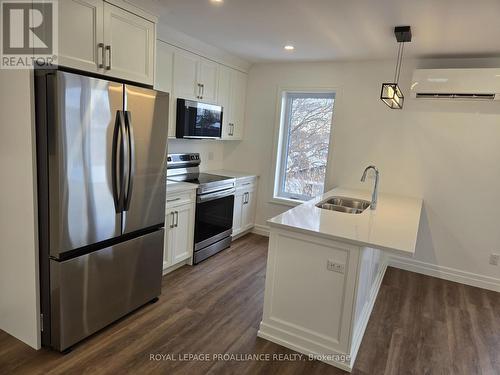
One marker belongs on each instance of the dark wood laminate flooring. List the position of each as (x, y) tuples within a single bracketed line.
[(419, 325)]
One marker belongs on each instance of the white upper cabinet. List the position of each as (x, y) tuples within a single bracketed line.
[(130, 43), (164, 75), (102, 38), (232, 96), (238, 96), (195, 77), (189, 76), (164, 79), (224, 100), (185, 75), (80, 32), (208, 76)]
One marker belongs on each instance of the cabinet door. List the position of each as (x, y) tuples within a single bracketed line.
[(184, 233), (238, 97), (169, 239), (248, 212), (130, 40), (238, 209), (208, 78), (185, 75), (80, 32), (164, 78), (224, 99)]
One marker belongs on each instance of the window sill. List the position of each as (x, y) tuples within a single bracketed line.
[(286, 202)]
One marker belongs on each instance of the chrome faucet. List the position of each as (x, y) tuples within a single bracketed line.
[(373, 204)]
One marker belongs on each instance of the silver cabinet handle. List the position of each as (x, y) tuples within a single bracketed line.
[(176, 219), (202, 90), (108, 66), (173, 220), (199, 91), (100, 48), (173, 200)]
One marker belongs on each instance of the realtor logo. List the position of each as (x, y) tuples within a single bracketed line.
[(29, 34)]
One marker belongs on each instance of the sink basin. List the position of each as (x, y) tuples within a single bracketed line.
[(344, 204)]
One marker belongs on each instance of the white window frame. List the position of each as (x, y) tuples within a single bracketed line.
[(282, 123)]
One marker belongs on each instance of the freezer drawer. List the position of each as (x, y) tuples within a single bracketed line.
[(92, 291)]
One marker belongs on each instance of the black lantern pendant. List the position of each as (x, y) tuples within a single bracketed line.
[(391, 93)]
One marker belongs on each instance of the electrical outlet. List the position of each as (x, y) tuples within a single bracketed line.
[(331, 265), (494, 259)]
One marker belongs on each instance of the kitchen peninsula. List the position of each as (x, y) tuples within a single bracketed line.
[(325, 268)]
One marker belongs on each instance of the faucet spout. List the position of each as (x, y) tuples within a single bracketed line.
[(373, 204)]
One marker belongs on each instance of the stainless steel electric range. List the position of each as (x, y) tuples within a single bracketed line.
[(214, 204)]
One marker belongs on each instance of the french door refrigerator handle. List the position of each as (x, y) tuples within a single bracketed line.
[(117, 161), (130, 159)]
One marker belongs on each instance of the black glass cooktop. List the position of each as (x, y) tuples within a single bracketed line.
[(199, 178)]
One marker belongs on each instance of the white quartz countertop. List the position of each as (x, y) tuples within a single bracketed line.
[(393, 226), (175, 186), (237, 175)]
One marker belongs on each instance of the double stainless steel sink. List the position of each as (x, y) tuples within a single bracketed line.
[(344, 204)]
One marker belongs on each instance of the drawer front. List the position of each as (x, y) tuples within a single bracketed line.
[(179, 199), (246, 182)]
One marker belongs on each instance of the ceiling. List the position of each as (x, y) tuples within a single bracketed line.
[(257, 30)]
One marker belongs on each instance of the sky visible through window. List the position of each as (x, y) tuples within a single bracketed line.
[(309, 123)]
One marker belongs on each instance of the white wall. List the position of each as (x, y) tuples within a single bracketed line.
[(19, 303), (445, 152), (211, 151)]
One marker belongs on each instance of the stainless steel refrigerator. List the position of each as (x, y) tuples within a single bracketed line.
[(101, 158)]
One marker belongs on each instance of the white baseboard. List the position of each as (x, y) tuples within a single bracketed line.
[(446, 273), (262, 230), (167, 270), (302, 346)]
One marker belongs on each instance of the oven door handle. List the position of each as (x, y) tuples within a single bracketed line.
[(216, 195)]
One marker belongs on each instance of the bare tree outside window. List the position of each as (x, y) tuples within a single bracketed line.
[(305, 142)]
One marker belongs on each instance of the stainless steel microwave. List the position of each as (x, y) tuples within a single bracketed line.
[(198, 120)]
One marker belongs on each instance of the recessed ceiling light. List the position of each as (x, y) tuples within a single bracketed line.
[(289, 47), (217, 1)]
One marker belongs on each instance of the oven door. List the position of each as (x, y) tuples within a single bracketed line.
[(214, 218)]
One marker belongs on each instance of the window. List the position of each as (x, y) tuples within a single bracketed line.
[(306, 123)]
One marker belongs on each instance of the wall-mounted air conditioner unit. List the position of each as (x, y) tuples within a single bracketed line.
[(464, 84)]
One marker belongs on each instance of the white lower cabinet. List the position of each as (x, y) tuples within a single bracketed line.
[(179, 230), (319, 294), (244, 205)]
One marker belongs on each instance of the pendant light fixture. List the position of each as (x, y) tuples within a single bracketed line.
[(391, 93)]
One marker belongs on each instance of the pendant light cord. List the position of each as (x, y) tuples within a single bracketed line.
[(400, 60), (397, 64)]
